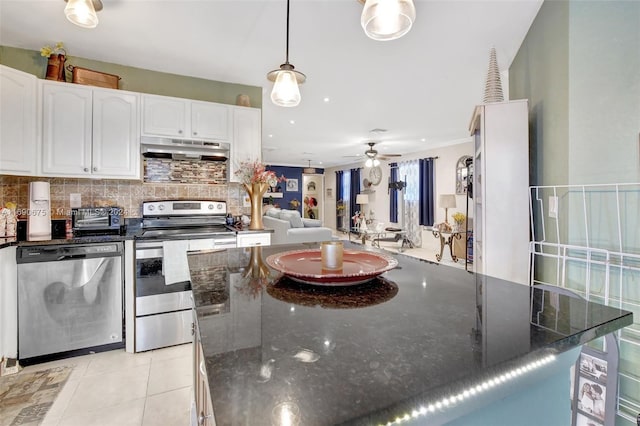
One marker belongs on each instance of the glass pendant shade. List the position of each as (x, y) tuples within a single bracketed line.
[(285, 90), (372, 162), (81, 13), (387, 19)]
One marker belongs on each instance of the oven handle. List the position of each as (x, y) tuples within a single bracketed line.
[(151, 253)]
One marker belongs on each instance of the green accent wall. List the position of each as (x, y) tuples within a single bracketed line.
[(579, 66), (540, 73), (138, 79)]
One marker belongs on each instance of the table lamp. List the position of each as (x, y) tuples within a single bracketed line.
[(447, 201)]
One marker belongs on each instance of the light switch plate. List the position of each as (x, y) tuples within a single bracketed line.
[(75, 200)]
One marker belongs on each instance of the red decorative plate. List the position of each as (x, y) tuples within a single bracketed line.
[(306, 266)]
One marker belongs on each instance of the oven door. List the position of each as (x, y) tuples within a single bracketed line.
[(152, 294)]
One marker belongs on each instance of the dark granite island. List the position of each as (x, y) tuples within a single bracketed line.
[(424, 344)]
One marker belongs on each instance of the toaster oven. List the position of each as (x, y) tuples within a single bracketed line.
[(96, 220)]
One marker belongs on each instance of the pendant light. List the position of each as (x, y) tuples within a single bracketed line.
[(83, 12), (387, 19), (285, 89)]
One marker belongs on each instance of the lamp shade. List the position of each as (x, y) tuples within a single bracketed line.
[(387, 19), (285, 90), (447, 201), (362, 199), (82, 13)]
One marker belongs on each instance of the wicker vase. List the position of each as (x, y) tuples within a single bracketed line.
[(256, 192)]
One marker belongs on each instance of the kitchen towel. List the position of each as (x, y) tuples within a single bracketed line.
[(174, 261)]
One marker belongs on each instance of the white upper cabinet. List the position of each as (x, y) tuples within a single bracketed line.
[(89, 132), (179, 118), (116, 148), (247, 138), (209, 121), (18, 142)]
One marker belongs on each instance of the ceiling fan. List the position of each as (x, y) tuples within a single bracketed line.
[(373, 159)]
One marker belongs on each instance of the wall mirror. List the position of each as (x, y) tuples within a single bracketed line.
[(463, 174)]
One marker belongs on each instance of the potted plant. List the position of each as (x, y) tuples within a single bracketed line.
[(55, 64)]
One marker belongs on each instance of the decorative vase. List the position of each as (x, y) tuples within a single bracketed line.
[(55, 67), (256, 192), (493, 87)]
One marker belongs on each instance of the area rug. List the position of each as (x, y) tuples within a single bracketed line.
[(25, 398)]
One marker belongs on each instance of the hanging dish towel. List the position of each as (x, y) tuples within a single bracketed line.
[(174, 261)]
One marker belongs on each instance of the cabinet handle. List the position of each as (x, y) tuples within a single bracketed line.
[(195, 133), (193, 328), (180, 131), (95, 169), (86, 169)]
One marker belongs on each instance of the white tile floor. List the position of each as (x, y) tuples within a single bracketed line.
[(150, 388), (117, 388)]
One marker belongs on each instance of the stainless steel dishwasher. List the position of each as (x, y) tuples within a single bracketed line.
[(69, 298)]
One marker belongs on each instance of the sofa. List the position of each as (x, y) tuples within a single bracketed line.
[(290, 228)]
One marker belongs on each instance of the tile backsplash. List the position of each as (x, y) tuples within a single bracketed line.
[(126, 194)]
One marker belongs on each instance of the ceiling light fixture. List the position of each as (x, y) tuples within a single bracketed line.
[(309, 170), (83, 12), (285, 89), (387, 19)]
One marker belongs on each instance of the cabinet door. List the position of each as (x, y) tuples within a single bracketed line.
[(165, 116), (116, 147), (66, 129), (209, 121), (247, 138), (17, 122)]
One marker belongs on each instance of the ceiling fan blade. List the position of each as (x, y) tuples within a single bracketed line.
[(388, 156)]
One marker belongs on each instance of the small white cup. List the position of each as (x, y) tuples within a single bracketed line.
[(331, 254)]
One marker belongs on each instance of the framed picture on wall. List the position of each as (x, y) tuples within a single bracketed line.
[(292, 185)]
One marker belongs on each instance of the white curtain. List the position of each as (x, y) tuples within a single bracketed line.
[(409, 171)]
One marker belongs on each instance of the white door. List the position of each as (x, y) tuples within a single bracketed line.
[(247, 138), (116, 146), (209, 121), (165, 116), (66, 129), (17, 122)]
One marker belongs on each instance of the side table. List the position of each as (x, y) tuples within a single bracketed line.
[(446, 239)]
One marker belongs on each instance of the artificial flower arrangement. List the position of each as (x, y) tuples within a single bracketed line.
[(251, 172), (47, 51), (459, 217)]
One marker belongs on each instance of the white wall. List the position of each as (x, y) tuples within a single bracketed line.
[(445, 183)]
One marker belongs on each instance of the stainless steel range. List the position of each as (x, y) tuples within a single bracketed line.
[(163, 288)]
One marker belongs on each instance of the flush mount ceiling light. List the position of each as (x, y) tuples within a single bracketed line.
[(286, 79), (83, 12), (387, 19)]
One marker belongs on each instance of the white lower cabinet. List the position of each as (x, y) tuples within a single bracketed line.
[(204, 407), (18, 155), (89, 132), (254, 239), (8, 303)]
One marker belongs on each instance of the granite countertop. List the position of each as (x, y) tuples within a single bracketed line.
[(365, 354)]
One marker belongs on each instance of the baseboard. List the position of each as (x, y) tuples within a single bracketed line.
[(9, 366)]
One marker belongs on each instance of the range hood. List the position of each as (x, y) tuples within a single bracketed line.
[(182, 149)]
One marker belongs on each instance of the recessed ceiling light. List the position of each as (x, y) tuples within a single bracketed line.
[(292, 121), (326, 99), (423, 140), (270, 136)]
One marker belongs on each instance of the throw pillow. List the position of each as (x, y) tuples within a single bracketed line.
[(273, 212), (293, 216), (311, 223)]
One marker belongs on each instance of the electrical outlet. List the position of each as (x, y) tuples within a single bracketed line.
[(75, 200), (553, 206)]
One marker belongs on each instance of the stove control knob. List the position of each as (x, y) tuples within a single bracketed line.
[(220, 207), (161, 207), (210, 206), (151, 207)]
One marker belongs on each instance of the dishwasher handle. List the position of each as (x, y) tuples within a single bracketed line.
[(71, 256)]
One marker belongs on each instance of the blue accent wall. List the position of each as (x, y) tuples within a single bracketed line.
[(290, 173)]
